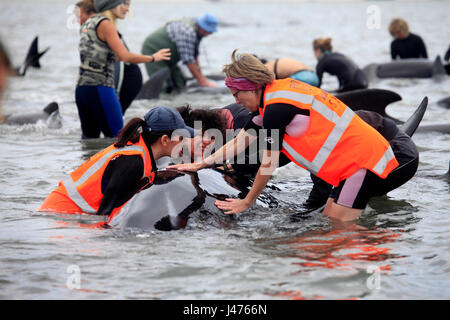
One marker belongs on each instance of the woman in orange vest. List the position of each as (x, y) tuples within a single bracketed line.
[(107, 180), (316, 131)]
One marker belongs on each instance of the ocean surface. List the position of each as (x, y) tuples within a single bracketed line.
[(398, 249)]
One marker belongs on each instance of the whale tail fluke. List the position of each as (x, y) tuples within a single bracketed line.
[(32, 58), (410, 126)]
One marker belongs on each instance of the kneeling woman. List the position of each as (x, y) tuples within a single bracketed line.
[(106, 181), (350, 76), (316, 131)]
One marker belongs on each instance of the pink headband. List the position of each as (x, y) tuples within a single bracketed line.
[(242, 84)]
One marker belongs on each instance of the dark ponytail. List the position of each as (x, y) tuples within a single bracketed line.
[(133, 130), (130, 133)]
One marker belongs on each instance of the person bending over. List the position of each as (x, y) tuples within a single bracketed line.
[(318, 133), (349, 75)]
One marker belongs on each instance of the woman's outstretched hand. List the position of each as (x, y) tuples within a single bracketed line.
[(232, 205), (163, 54), (192, 167)]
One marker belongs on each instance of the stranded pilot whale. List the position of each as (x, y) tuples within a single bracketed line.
[(406, 68), (378, 99), (177, 196), (152, 87), (50, 114), (370, 99)]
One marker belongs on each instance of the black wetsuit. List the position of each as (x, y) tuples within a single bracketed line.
[(122, 179), (410, 47), (349, 75)]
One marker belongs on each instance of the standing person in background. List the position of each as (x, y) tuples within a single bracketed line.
[(5, 70), (405, 45), (127, 76), (183, 37), (348, 73), (98, 106)]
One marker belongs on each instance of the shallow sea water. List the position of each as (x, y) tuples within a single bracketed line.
[(262, 255)]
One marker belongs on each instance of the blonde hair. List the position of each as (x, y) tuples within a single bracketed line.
[(399, 25), (110, 16), (323, 44), (248, 66)]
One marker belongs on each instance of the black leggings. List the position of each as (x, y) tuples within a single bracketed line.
[(131, 85), (373, 185)]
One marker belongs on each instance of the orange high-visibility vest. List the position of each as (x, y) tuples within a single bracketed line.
[(83, 186), (337, 142)]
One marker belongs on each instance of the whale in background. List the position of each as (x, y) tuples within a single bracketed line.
[(50, 114), (407, 68), (370, 99), (445, 103), (32, 58), (378, 99), (152, 87)]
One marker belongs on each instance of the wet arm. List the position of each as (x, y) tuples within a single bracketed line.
[(423, 49), (194, 68), (319, 72), (268, 165), (231, 148)]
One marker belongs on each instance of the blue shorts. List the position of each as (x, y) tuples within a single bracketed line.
[(99, 110), (306, 76)]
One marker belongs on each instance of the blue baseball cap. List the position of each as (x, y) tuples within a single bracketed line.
[(208, 22), (166, 119)]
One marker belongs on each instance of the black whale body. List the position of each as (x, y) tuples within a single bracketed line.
[(177, 196)]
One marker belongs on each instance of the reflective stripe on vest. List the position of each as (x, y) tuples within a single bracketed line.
[(341, 124), (381, 165), (71, 186)]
